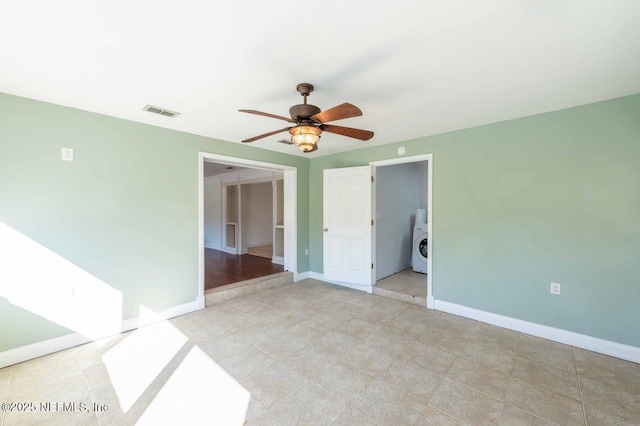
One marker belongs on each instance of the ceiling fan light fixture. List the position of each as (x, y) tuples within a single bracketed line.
[(309, 122), (305, 137)]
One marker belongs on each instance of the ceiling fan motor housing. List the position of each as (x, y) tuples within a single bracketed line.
[(303, 111)]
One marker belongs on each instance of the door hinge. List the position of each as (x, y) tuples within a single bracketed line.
[(371, 222), (372, 266), (371, 178)]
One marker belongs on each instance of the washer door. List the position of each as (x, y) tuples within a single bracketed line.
[(422, 248)]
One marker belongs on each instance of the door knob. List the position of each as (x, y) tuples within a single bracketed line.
[(325, 229)]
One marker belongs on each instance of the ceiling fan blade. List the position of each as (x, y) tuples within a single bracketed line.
[(255, 138), (339, 112), (266, 114), (363, 135)]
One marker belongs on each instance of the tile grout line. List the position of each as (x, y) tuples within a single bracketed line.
[(539, 387), (471, 387), (445, 376), (86, 383), (584, 411)]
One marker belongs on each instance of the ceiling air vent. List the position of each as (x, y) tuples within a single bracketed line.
[(161, 111)]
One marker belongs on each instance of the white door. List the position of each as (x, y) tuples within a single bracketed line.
[(347, 225)]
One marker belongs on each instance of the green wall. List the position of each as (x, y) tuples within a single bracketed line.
[(125, 211), (520, 204), (517, 205)]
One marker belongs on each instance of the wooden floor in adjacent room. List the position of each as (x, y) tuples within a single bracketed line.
[(223, 268)]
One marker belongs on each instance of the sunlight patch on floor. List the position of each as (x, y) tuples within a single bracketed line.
[(198, 392), (136, 362)]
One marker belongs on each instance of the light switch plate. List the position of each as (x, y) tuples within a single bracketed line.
[(66, 154)]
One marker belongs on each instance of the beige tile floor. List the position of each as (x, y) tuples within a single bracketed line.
[(406, 282), (312, 353)]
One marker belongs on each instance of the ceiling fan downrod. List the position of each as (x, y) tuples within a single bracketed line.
[(305, 90)]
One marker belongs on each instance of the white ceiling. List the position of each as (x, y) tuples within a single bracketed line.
[(414, 67)]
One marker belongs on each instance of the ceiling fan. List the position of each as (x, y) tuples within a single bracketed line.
[(309, 122)]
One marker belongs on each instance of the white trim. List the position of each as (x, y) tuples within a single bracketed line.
[(248, 176), (243, 162), (290, 217), (174, 311), (230, 250), (607, 347), (320, 277), (403, 160), (301, 276), (431, 302), (430, 298), (316, 275), (374, 227), (201, 224), (46, 347), (278, 260), (239, 240)]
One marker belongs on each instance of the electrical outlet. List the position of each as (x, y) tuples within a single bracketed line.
[(66, 154), (555, 288), (306, 252)]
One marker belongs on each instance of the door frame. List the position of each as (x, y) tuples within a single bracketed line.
[(290, 175), (404, 160)]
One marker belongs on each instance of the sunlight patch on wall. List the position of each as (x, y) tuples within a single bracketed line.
[(198, 392), (136, 362), (43, 282)]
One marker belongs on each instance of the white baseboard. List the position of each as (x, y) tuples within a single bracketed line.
[(46, 347), (431, 302), (175, 311), (260, 244), (229, 250), (278, 260), (35, 350), (214, 247), (200, 303), (606, 347), (301, 276), (320, 277)]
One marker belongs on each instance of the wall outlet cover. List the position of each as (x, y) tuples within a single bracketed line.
[(555, 288)]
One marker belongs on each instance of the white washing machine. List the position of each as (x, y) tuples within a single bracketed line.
[(419, 256)]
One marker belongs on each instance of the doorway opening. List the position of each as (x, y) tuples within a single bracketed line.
[(402, 236), (247, 220)]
